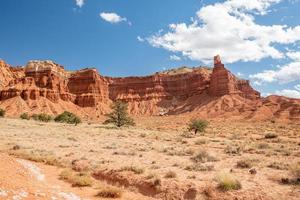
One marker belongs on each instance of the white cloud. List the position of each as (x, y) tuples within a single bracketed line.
[(228, 29), (289, 93), (297, 87), (112, 17), (79, 3), (140, 39), (175, 58), (294, 55), (285, 74)]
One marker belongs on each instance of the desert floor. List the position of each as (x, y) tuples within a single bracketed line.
[(157, 159)]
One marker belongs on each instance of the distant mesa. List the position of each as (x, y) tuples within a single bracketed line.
[(44, 86)]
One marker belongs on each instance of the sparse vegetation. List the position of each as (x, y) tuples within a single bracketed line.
[(197, 125), (35, 156), (2, 112), (233, 149), (203, 156), (42, 117), (133, 169), (109, 192), (170, 174), (227, 181), (76, 179), (119, 115), (67, 117), (271, 136), (199, 167), (245, 163), (25, 116), (278, 165)]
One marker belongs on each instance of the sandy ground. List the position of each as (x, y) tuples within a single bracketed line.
[(134, 158)]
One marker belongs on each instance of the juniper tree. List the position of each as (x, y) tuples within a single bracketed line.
[(197, 125), (119, 116)]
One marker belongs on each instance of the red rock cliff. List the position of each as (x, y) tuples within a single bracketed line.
[(212, 92), (223, 82)]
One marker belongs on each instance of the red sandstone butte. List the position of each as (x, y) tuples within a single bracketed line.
[(44, 86)]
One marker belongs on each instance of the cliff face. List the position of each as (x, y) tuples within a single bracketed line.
[(223, 82), (172, 92), (5, 74)]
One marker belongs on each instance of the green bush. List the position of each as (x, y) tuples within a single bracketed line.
[(25, 116), (197, 125), (2, 112), (119, 115), (41, 117), (67, 117)]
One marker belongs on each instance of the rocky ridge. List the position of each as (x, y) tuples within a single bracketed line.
[(44, 86)]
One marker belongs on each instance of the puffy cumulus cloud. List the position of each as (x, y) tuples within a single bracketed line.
[(175, 58), (79, 3), (229, 29), (112, 17), (285, 74)]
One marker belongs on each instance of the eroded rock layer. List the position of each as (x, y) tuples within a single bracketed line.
[(46, 86)]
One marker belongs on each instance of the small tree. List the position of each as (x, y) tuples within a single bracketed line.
[(67, 117), (2, 112), (197, 125), (119, 115)]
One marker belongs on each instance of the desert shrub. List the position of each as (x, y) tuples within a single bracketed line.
[(41, 117), (133, 169), (76, 179), (271, 136), (203, 156), (67, 117), (199, 167), (263, 145), (245, 163), (227, 181), (278, 165), (119, 115), (233, 149), (170, 174), (197, 125), (25, 116), (109, 192), (2, 112)]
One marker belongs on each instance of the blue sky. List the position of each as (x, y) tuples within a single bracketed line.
[(123, 38)]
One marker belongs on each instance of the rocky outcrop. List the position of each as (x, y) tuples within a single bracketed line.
[(223, 82), (89, 87), (5, 74), (208, 92)]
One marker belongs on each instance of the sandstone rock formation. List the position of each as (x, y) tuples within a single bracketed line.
[(44, 86)]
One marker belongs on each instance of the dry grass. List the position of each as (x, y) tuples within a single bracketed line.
[(76, 179), (203, 156), (246, 163), (109, 192), (170, 174), (36, 156), (133, 169), (227, 181)]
